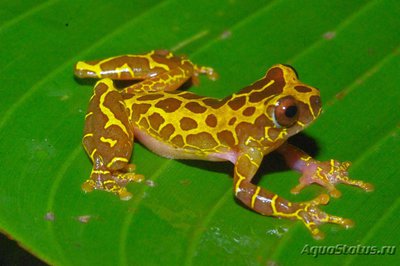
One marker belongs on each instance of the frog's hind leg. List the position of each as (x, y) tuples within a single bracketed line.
[(108, 140), (158, 68), (130, 67), (124, 67), (167, 81), (172, 79)]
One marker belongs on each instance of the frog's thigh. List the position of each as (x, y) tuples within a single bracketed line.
[(108, 134), (167, 81), (124, 67)]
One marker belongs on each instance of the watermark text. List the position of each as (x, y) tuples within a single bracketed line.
[(341, 249)]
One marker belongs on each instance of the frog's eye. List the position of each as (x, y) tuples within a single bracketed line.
[(286, 112)]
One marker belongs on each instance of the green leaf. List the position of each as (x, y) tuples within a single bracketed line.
[(348, 49)]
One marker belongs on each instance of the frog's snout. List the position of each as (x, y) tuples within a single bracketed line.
[(316, 105)]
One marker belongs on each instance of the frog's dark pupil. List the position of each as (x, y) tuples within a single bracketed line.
[(291, 111)]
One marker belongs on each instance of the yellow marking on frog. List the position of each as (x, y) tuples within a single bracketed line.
[(278, 213), (88, 114), (88, 135), (153, 64), (92, 154), (273, 207), (254, 197), (125, 68), (102, 172), (112, 120), (251, 161), (112, 142), (237, 185), (300, 123), (332, 164), (117, 159), (282, 134), (266, 86), (88, 67)]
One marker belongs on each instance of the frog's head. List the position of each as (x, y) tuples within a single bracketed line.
[(296, 105)]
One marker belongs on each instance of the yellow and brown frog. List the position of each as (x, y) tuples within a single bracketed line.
[(241, 128)]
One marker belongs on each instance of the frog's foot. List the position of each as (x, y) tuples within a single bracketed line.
[(107, 185), (310, 214), (328, 174), (114, 182), (201, 70)]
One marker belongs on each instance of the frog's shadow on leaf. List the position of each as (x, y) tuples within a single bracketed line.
[(271, 163)]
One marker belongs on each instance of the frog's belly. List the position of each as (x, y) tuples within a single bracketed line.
[(169, 151)]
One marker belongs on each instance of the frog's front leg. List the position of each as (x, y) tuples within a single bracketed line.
[(326, 174), (108, 140), (268, 203)]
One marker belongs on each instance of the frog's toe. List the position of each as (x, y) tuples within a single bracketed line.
[(297, 189), (312, 216), (368, 187), (334, 192), (208, 71), (130, 177), (88, 186), (328, 174), (124, 194), (338, 173)]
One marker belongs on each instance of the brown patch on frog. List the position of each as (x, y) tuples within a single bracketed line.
[(257, 95), (262, 121), (249, 111), (273, 133), (225, 137), (125, 75), (167, 131), (190, 96), (274, 89), (201, 140), (275, 73), (128, 112), (232, 121), (178, 141), (195, 107), (169, 105), (144, 123), (244, 130), (213, 103), (302, 89), (139, 109), (211, 120), (237, 102), (94, 62), (187, 123), (150, 97), (156, 120)]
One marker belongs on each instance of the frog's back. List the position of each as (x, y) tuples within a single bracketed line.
[(193, 123)]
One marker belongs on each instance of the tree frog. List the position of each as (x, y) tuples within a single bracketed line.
[(241, 128)]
